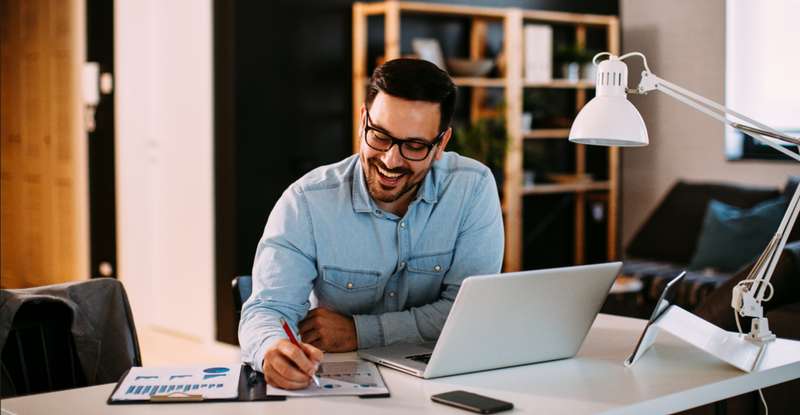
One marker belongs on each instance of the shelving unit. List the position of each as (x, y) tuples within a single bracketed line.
[(513, 85)]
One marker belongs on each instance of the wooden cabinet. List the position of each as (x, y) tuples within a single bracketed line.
[(514, 87)]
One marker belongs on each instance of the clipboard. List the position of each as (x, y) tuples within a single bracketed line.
[(252, 387)]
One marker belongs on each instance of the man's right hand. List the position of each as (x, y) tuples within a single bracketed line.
[(288, 367)]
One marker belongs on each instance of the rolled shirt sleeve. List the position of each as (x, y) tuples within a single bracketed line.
[(283, 275)]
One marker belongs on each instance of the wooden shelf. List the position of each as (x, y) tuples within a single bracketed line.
[(545, 133), (513, 86), (547, 188), (370, 9), (561, 83), (568, 18), (480, 82)]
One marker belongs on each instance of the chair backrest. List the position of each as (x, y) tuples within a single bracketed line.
[(67, 335), (242, 287), (40, 354)]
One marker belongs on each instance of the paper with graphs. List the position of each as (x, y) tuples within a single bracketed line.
[(352, 377), (211, 382)]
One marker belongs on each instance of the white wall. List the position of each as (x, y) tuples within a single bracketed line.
[(165, 162), (684, 41), (761, 64)]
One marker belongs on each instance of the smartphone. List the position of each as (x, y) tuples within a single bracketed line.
[(472, 402)]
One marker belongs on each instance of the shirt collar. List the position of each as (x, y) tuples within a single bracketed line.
[(362, 201)]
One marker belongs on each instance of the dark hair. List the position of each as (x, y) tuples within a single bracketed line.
[(415, 80)]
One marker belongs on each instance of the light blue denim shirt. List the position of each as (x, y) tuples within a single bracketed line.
[(326, 242)]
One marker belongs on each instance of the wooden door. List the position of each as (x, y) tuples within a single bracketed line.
[(43, 214)]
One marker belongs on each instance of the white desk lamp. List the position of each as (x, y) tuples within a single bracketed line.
[(609, 119)]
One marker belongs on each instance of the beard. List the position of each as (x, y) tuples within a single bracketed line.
[(388, 193)]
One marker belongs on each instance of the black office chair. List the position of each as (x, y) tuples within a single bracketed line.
[(242, 287), (41, 353)]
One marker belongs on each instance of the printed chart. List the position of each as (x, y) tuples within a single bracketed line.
[(213, 382)]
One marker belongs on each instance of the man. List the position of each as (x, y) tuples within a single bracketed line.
[(380, 241)]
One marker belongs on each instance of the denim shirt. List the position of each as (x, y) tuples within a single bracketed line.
[(326, 242)]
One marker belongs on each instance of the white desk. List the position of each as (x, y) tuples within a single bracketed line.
[(671, 377)]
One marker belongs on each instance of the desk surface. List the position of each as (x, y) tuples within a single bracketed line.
[(672, 376)]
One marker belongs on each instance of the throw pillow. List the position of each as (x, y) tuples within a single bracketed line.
[(732, 237)]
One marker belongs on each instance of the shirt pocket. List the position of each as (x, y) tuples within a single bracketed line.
[(348, 291), (425, 274)]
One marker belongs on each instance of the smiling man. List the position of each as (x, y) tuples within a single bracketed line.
[(377, 245)]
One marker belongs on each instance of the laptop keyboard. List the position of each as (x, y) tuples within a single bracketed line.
[(424, 358)]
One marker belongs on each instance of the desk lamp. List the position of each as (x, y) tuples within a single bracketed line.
[(609, 119)]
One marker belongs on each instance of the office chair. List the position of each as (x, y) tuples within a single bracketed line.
[(42, 354), (242, 287)]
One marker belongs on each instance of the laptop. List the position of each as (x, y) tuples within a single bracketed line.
[(507, 320)]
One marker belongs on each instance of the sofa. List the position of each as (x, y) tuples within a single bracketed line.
[(665, 244)]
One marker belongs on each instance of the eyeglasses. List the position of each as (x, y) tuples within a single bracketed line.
[(413, 149)]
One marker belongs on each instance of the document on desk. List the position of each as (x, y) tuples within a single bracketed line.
[(208, 382), (352, 377)]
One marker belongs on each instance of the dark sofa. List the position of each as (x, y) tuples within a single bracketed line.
[(664, 245)]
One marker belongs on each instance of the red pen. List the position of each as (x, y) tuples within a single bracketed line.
[(290, 334)]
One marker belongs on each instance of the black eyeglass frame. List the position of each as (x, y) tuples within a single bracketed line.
[(428, 144)]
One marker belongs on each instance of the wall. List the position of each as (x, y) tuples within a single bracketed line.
[(684, 42), (165, 162), (44, 214)]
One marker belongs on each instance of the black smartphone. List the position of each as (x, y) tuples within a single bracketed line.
[(472, 402)]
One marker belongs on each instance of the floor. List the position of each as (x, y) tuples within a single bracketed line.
[(161, 347)]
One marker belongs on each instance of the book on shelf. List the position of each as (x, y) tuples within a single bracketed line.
[(538, 53)]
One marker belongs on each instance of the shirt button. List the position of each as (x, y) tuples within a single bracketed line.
[(403, 225), (437, 268), (391, 294), (402, 265), (378, 212), (349, 285)]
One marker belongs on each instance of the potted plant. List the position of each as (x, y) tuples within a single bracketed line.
[(484, 140), (571, 58)]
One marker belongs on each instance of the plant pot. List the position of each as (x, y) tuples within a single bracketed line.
[(589, 72), (571, 71)]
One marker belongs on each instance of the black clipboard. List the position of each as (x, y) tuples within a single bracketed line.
[(252, 387)]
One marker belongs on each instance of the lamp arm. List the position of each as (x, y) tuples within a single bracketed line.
[(759, 277), (762, 271), (761, 132)]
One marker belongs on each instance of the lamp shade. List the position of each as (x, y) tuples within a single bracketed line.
[(609, 119)]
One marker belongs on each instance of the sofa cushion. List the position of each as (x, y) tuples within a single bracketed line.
[(731, 237), (670, 233)]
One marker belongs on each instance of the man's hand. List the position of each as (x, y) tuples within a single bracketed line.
[(288, 367), (329, 331)]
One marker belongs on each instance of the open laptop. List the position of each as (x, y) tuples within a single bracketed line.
[(507, 320)]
